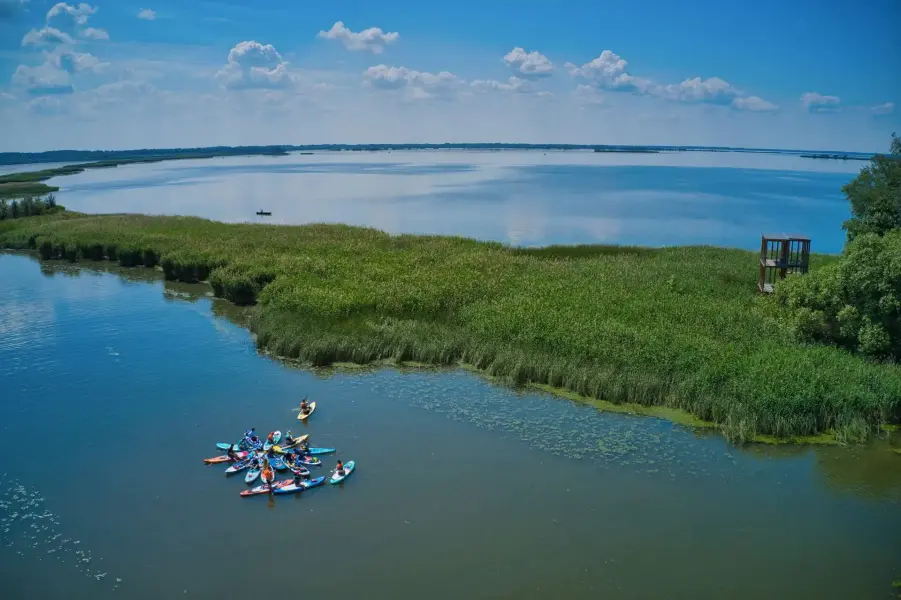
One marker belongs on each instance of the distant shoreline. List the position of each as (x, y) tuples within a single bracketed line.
[(31, 183), (17, 158), (833, 156)]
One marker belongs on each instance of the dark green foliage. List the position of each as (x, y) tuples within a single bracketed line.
[(28, 206), (855, 303), (875, 195)]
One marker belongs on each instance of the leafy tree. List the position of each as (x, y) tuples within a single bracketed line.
[(856, 302), (875, 195), (4, 209)]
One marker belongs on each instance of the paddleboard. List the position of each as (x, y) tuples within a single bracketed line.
[(301, 471), (252, 474), (276, 437), (238, 466), (310, 461), (223, 458), (315, 451), (278, 463), (304, 485), (303, 417), (296, 441), (264, 489), (224, 446), (348, 469)]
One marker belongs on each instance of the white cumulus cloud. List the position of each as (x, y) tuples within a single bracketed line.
[(421, 85), (372, 39), (610, 71), (77, 14), (46, 36), (92, 33), (147, 14), (529, 64), (254, 65), (815, 102)]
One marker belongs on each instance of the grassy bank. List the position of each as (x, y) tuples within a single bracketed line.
[(678, 328), (30, 183)]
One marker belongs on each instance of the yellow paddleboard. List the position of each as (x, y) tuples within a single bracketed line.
[(303, 417), (297, 440)]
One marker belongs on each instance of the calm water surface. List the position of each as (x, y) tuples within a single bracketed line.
[(114, 388), (527, 198)]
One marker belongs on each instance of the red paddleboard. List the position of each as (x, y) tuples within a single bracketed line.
[(264, 489)]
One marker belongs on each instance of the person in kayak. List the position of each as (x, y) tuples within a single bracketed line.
[(232, 455), (303, 447), (271, 437), (339, 469), (304, 407), (289, 439), (298, 479)]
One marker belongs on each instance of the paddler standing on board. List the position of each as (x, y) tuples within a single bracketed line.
[(268, 473)]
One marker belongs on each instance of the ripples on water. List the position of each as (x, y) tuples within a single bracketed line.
[(32, 531), (642, 444)]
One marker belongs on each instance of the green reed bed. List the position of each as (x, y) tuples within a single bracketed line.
[(676, 327)]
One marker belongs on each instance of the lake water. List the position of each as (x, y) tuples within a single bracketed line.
[(526, 198), (115, 385)]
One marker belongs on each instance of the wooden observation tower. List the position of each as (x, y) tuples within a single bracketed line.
[(781, 254)]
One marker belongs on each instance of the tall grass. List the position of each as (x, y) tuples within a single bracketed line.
[(680, 327)]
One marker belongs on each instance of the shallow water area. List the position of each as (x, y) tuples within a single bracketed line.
[(518, 197), (123, 383)]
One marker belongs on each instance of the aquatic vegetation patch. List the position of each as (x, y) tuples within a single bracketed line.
[(673, 330), (35, 533)]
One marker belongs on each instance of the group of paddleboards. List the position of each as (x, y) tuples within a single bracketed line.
[(262, 458)]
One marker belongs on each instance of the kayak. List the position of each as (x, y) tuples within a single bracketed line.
[(304, 485), (296, 441), (264, 489), (224, 446), (276, 437), (252, 474), (303, 417), (315, 451), (310, 461), (223, 458), (348, 469)]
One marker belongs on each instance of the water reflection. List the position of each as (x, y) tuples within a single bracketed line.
[(515, 197)]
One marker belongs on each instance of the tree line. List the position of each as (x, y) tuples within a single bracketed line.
[(855, 302), (28, 207)]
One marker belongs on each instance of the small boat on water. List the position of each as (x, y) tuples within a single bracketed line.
[(264, 213)]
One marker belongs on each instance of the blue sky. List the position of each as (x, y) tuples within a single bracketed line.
[(802, 74)]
